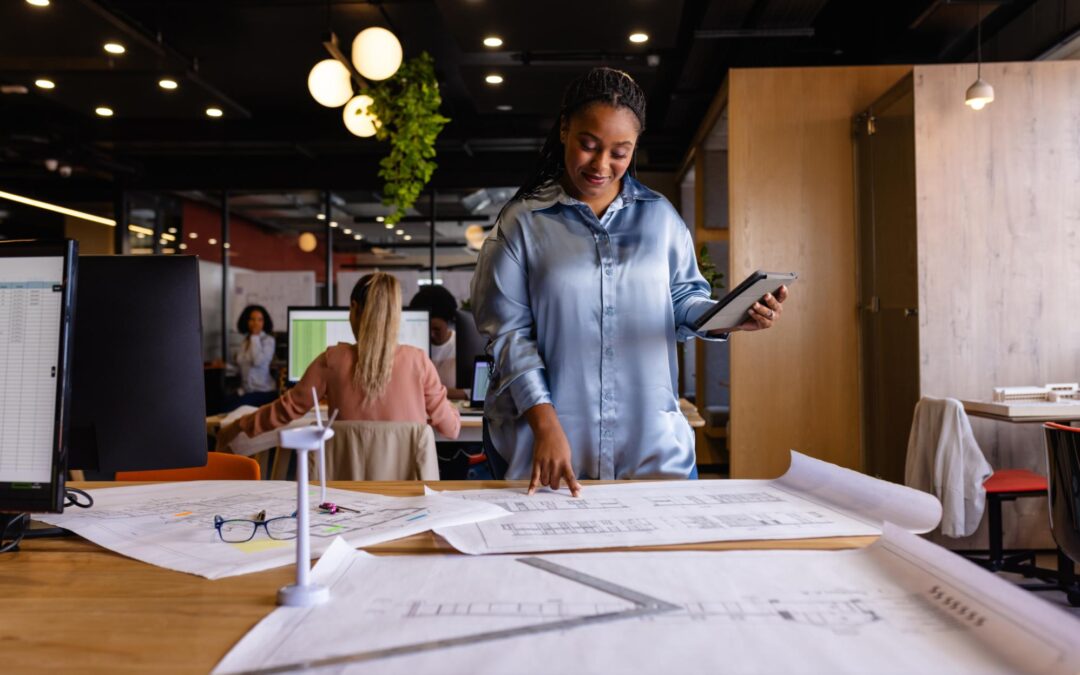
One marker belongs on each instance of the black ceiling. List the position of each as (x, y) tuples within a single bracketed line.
[(251, 58)]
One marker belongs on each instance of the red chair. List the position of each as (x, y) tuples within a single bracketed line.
[(1007, 485), (219, 466)]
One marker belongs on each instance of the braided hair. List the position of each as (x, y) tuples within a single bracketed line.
[(599, 85)]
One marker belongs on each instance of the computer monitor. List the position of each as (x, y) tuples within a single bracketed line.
[(313, 329), (36, 281), (137, 397)]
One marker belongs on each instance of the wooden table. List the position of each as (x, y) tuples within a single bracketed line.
[(71, 605)]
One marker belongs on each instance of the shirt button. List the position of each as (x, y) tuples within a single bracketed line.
[(610, 311), (607, 270), (609, 351)]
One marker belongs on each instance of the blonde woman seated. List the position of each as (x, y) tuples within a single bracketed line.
[(376, 379)]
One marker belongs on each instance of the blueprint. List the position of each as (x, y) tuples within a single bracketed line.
[(813, 499), (901, 605), (172, 524)]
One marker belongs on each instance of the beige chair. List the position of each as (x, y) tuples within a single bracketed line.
[(379, 451)]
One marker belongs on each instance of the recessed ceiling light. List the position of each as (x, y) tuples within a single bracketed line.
[(320, 216), (104, 111), (167, 83), (494, 79), (358, 237), (408, 237), (333, 223), (193, 235), (45, 84), (38, 3), (227, 245), (399, 232), (492, 41), (379, 219), (638, 38), (114, 48), (172, 230), (183, 246), (214, 112), (389, 226), (504, 108), (211, 241), (347, 231)]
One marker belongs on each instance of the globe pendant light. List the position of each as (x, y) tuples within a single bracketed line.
[(307, 242), (330, 83), (358, 120), (979, 93), (376, 53)]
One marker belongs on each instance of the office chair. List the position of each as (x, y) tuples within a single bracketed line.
[(366, 450), (219, 466), (1063, 461)]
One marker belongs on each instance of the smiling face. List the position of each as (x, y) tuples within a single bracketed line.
[(255, 322), (599, 143)]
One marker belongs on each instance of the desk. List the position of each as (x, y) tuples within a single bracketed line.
[(71, 605), (1016, 419)]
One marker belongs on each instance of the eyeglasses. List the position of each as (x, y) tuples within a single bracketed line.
[(239, 530)]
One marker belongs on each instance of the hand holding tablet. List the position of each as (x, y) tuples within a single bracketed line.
[(731, 311)]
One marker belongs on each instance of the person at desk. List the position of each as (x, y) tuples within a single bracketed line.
[(376, 379), (442, 308), (582, 290), (257, 385)]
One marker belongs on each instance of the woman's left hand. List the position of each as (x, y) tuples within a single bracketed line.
[(767, 312)]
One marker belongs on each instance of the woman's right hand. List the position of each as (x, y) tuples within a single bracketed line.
[(552, 461)]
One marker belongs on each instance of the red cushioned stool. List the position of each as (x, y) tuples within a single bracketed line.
[(1007, 485)]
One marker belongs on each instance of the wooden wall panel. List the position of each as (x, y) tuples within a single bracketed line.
[(792, 209)]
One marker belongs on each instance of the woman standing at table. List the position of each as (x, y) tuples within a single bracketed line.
[(584, 287), (257, 386), (375, 379)]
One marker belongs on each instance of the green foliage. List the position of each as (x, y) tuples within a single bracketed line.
[(407, 107), (709, 271)]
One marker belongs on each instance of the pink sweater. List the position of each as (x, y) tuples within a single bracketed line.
[(414, 394)]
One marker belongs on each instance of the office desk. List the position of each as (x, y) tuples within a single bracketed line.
[(71, 605), (1016, 419)]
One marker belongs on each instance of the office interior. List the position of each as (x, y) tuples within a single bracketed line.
[(936, 237)]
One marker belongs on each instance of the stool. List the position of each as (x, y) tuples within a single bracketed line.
[(1007, 485)]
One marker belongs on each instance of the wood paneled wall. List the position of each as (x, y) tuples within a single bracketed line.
[(792, 209)]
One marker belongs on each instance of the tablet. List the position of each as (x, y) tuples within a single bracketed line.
[(733, 308)]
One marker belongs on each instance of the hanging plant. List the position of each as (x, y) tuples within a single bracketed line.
[(407, 107), (708, 270)]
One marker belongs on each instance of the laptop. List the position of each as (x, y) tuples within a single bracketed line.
[(480, 380)]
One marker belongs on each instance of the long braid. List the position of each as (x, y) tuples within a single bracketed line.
[(599, 85)]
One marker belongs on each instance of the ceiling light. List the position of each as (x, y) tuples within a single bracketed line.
[(494, 79), (172, 230), (214, 112), (167, 83), (358, 237), (330, 83), (193, 235), (358, 120), (38, 3), (638, 38), (504, 108), (379, 219), (227, 245), (333, 223), (979, 93), (114, 48), (211, 241), (347, 231), (104, 111), (408, 237), (45, 84), (399, 232), (57, 209), (493, 41), (389, 226), (183, 246), (376, 53), (320, 216)]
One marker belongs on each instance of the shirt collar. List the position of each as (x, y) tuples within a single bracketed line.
[(552, 193)]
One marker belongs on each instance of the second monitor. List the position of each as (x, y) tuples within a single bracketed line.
[(313, 329)]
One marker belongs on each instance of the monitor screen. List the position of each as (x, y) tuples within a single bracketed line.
[(137, 397), (313, 329), (35, 310)]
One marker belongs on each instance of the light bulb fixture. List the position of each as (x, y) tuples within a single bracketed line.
[(212, 241), (979, 93), (38, 3), (115, 48), (182, 246), (214, 112), (358, 237), (168, 84), (380, 219), (399, 232), (307, 242), (320, 216), (43, 83), (639, 38), (407, 237), (347, 231), (493, 41), (333, 223), (330, 83), (494, 79), (389, 226), (376, 53), (104, 111), (193, 235), (358, 120)]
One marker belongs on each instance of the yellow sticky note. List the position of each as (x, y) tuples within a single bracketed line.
[(257, 545), (182, 514)]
